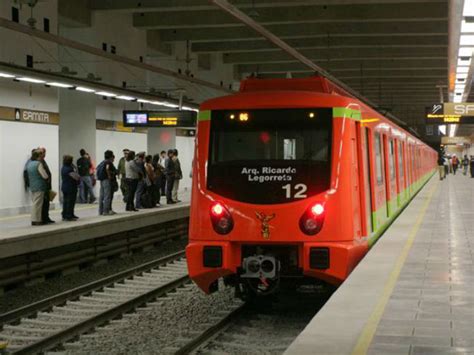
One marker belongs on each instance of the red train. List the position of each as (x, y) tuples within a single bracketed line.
[(294, 180)]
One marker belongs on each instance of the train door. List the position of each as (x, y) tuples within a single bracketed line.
[(401, 173), (369, 190), (380, 198), (387, 172), (391, 203), (356, 198)]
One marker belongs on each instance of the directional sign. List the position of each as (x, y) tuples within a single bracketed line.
[(459, 113)]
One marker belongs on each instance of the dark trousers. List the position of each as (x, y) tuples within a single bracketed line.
[(162, 184), (69, 202), (45, 208), (169, 188), (156, 190), (132, 188), (124, 188), (455, 167)]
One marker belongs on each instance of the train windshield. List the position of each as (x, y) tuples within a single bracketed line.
[(270, 156)]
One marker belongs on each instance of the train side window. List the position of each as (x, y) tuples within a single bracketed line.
[(400, 161), (378, 159), (392, 160)]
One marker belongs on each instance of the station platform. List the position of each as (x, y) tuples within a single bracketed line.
[(414, 291), (18, 237)]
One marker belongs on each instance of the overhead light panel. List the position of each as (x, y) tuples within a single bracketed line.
[(468, 8), (60, 85), (105, 93), (466, 51), (462, 70), (31, 80), (144, 101), (464, 62), (6, 75), (467, 27), (83, 89), (126, 98)]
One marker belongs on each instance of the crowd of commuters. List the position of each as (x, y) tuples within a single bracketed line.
[(144, 179), (449, 164)]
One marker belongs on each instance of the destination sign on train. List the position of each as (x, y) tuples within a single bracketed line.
[(446, 113), (159, 118)]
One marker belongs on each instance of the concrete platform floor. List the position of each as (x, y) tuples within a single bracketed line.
[(21, 224), (414, 292)]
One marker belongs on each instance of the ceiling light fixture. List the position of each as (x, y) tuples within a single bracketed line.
[(105, 93), (31, 80), (60, 85), (83, 89)]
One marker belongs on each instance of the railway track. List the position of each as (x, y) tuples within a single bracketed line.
[(51, 322), (252, 328)]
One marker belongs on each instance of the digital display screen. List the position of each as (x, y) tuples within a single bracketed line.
[(159, 118), (135, 119)]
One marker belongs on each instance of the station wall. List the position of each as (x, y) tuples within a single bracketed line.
[(16, 142)]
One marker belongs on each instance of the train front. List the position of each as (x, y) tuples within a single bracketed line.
[(266, 212)]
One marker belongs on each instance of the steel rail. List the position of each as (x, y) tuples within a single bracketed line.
[(61, 298), (90, 323), (211, 331)]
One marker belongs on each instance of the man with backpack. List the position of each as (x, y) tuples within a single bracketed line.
[(106, 174)]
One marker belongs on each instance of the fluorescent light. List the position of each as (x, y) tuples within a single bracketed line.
[(60, 85), (462, 70), (465, 51), (452, 130), (5, 75), (468, 8), (457, 99), (466, 40), (187, 108), (83, 89), (463, 63), (467, 27), (105, 93), (442, 129), (31, 80), (126, 98), (164, 103), (144, 101)]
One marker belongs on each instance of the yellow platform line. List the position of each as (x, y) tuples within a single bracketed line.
[(370, 328)]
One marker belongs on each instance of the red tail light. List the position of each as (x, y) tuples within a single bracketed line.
[(312, 220), (221, 219)]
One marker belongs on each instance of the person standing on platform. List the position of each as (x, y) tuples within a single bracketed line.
[(121, 173), (132, 174), (86, 189), (37, 178), (178, 176), (140, 162), (465, 164), (471, 165), (46, 200), (170, 171), (148, 199), (159, 175), (455, 163), (70, 180), (441, 170), (162, 163), (106, 174)]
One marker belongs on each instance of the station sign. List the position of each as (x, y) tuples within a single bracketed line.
[(455, 140), (447, 113), (174, 118)]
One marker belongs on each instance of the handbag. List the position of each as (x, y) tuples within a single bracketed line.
[(52, 195)]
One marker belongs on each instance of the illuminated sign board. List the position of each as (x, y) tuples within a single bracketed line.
[(446, 113), (159, 118)]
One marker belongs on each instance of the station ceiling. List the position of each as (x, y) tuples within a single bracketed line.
[(394, 52)]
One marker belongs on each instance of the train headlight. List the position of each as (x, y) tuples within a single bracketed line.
[(221, 219), (312, 220)]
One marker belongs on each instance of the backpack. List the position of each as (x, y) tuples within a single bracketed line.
[(101, 172)]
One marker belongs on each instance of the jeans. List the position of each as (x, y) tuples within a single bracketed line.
[(86, 187), (132, 188), (138, 195), (45, 207), (464, 168), (169, 188), (69, 201), (106, 195)]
